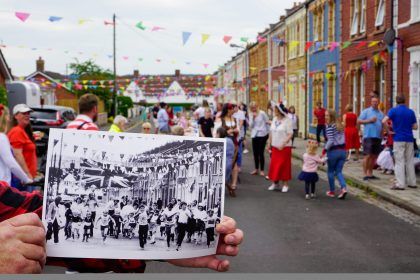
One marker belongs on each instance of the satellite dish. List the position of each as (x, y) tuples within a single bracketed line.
[(389, 37)]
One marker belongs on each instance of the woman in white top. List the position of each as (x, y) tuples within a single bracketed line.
[(281, 133), (295, 122), (259, 133), (8, 163)]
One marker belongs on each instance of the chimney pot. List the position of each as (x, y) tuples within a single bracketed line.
[(40, 65), (177, 73), (136, 73)]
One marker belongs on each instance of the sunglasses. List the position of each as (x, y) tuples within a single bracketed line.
[(146, 128)]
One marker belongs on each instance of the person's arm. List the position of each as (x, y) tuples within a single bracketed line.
[(9, 160), (415, 126), (289, 129), (363, 119), (21, 160), (330, 131)]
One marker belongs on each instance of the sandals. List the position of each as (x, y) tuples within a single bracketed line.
[(255, 172), (231, 190)]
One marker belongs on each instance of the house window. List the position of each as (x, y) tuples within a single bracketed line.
[(331, 21), (318, 24), (415, 10), (302, 39), (415, 84), (317, 87), (358, 22), (358, 90), (332, 80), (380, 82), (380, 13)]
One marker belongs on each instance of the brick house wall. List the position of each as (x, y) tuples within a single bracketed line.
[(2, 81), (357, 84)]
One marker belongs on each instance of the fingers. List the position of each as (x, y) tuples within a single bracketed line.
[(218, 265), (235, 238), (227, 226), (32, 267), (227, 250), (31, 235), (32, 252), (30, 219)]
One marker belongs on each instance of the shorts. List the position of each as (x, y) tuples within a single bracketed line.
[(372, 146), (104, 227)]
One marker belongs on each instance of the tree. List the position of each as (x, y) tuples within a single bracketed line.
[(124, 103), (3, 96), (89, 70)]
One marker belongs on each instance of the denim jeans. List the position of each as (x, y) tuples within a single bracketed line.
[(336, 161)]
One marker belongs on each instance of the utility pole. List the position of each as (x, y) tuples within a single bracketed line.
[(115, 108)]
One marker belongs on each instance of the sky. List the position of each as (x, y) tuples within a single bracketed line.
[(65, 41)]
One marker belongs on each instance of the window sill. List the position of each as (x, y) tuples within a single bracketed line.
[(358, 37), (381, 30), (409, 23)]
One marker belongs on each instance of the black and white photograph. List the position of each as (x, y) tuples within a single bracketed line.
[(132, 196)]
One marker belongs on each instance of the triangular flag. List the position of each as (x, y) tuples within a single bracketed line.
[(106, 22), (294, 44), (205, 65), (54, 19), (346, 45), (261, 39), (361, 45), (125, 57), (185, 37), (333, 46), (141, 26), (376, 58), (157, 28), (83, 21), (308, 46), (22, 16), (204, 38), (374, 43), (227, 39), (244, 39)]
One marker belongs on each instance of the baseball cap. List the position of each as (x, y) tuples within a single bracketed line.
[(21, 108)]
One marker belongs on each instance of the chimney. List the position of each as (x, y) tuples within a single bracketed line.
[(177, 73), (136, 74), (40, 65)]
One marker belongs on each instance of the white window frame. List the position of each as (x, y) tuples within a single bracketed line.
[(315, 26), (380, 15), (382, 82), (363, 17), (362, 90), (355, 90), (355, 19), (415, 10), (415, 84)]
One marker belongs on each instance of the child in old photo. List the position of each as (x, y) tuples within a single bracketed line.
[(104, 219)]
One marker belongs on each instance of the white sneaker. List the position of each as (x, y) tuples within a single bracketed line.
[(285, 189), (273, 187), (245, 151), (307, 197)]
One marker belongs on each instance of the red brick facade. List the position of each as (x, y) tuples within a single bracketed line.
[(60, 93), (2, 80), (409, 35), (361, 74)]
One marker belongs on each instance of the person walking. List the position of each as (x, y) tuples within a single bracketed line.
[(88, 113), (280, 144), (259, 135), (22, 140), (295, 123), (309, 174), (163, 119), (52, 219), (183, 216), (351, 132), (371, 118), (319, 114), (8, 163), (119, 125), (206, 124), (403, 122), (336, 153), (146, 128)]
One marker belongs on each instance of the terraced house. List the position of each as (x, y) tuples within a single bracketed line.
[(296, 63), (323, 52)]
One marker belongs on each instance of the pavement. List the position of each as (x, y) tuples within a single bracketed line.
[(284, 233), (408, 199)]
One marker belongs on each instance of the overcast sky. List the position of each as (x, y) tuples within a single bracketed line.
[(59, 43)]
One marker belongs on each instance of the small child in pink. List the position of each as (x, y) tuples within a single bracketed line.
[(309, 174)]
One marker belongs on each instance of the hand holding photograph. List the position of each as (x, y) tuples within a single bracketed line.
[(132, 196)]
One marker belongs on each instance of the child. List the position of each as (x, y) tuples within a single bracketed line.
[(154, 221), (309, 170), (87, 224), (69, 220), (385, 159), (211, 222), (143, 226), (105, 219), (118, 221), (200, 216)]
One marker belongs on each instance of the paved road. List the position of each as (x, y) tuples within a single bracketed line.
[(286, 234)]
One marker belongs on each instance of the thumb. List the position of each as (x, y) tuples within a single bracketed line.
[(218, 265)]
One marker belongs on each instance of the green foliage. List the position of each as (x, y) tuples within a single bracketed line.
[(3, 96), (124, 103)]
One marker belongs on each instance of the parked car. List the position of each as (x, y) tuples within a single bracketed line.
[(45, 117)]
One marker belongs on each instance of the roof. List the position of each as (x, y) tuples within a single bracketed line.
[(4, 68), (50, 78)]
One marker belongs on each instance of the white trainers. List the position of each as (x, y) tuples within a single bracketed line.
[(273, 187), (246, 151), (285, 189), (307, 197)]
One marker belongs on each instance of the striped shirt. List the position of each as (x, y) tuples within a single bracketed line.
[(335, 138), (83, 122)]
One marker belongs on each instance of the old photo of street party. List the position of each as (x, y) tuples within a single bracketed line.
[(132, 196)]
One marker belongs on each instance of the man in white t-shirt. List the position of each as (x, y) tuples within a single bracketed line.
[(240, 119)]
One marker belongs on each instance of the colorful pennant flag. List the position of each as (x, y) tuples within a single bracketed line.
[(346, 45), (204, 38), (106, 22), (294, 44), (157, 28), (374, 43), (54, 19), (244, 39), (227, 39), (22, 16), (185, 37), (140, 25), (82, 21), (261, 39), (361, 45), (333, 46), (206, 65), (308, 46)]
